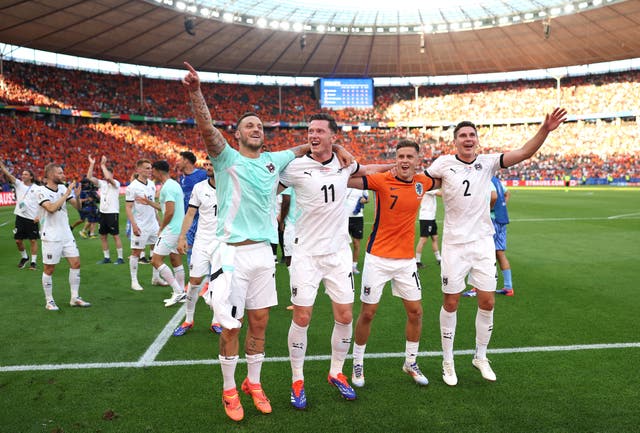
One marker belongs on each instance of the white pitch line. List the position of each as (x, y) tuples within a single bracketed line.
[(613, 217), (150, 355), (104, 365)]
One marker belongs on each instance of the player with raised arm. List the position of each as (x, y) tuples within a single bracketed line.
[(109, 190), (321, 251), (243, 271), (203, 201), (390, 257), (57, 239), (468, 250), (27, 215)]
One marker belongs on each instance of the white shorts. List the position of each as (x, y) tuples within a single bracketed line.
[(242, 277), (402, 273), (288, 239), (145, 238), (52, 251), (334, 270), (201, 258), (477, 259), (166, 244)]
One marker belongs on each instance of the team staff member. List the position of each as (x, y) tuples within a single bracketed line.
[(389, 255)]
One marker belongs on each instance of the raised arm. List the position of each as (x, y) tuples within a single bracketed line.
[(108, 176), (10, 177), (356, 182), (90, 176), (213, 139), (551, 122), (373, 168)]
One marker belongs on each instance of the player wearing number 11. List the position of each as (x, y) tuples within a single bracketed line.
[(468, 248)]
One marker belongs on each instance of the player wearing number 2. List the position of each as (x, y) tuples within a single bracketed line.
[(321, 251), (390, 255), (467, 245)]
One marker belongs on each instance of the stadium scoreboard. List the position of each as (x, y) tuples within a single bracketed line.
[(346, 93)]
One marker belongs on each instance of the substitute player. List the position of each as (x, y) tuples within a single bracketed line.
[(468, 250), (57, 239), (389, 255)]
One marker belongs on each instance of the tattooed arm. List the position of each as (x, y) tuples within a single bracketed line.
[(213, 139)]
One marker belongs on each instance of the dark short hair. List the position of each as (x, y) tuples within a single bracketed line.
[(462, 125), (189, 156), (324, 116), (407, 143), (244, 116), (161, 165)]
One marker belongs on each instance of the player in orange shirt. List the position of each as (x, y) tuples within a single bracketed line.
[(390, 257)]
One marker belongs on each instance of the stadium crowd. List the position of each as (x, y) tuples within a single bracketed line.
[(29, 84)]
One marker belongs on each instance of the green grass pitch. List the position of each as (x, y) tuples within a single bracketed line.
[(565, 349)]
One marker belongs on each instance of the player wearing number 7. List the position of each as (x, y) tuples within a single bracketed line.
[(390, 256), (468, 249)]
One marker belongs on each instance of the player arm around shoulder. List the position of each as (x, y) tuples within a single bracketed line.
[(551, 122), (213, 139)]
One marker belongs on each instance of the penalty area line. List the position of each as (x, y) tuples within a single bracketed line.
[(151, 363)]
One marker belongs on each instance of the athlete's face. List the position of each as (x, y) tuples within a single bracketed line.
[(466, 142), (250, 133), (406, 161), (320, 136), (208, 167), (26, 177), (144, 171), (57, 176)]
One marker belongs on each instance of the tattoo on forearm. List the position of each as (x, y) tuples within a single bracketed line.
[(213, 139)]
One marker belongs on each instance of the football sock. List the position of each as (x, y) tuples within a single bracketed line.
[(418, 257), (74, 282), (24, 254), (358, 353), (179, 276), (133, 268), (47, 286), (437, 254), (192, 298), (254, 365), (506, 275), (119, 252), (106, 255), (447, 332), (297, 341), (167, 275), (411, 352), (484, 327), (228, 367), (34, 258), (340, 344)]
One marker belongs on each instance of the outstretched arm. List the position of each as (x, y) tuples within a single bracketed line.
[(10, 177), (373, 168), (213, 139), (551, 122)]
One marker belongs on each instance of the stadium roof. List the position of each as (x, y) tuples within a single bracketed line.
[(303, 38)]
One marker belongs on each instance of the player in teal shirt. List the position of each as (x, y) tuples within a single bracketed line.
[(243, 270), (172, 192)]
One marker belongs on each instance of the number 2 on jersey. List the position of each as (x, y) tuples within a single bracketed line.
[(466, 189)]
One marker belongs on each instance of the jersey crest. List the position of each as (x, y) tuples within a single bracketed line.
[(419, 188)]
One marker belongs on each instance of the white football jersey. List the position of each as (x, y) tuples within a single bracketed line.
[(144, 215), (465, 187), (428, 206), (320, 189), (353, 198), (54, 226), (109, 196), (204, 198), (27, 205)]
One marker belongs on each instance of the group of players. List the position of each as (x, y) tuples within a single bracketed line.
[(238, 222)]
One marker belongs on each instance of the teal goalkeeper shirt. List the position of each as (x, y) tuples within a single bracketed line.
[(171, 191), (246, 189)]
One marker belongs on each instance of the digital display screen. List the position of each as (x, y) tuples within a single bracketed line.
[(346, 93)]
